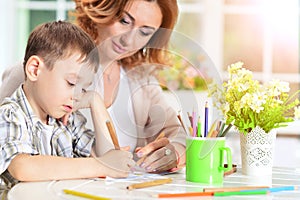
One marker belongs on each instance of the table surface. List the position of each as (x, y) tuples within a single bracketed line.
[(116, 188)]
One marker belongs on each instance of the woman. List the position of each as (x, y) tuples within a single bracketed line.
[(132, 37)]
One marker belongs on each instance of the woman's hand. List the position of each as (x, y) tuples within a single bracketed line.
[(157, 156)]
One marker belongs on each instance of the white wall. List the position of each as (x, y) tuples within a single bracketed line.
[(7, 33)]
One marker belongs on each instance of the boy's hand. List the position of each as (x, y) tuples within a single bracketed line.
[(117, 163), (84, 100)]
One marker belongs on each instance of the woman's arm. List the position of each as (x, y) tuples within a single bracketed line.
[(161, 118)]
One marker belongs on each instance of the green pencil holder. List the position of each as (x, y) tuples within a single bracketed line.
[(205, 159)]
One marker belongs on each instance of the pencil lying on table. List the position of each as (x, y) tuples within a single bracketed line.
[(189, 194), (84, 195), (223, 193), (161, 135), (113, 135), (231, 189), (149, 183)]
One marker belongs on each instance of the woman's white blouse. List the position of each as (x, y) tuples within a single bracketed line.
[(121, 111)]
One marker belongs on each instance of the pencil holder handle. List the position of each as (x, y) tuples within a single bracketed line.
[(225, 151)]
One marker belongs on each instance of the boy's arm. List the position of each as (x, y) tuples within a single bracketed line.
[(25, 167), (99, 114)]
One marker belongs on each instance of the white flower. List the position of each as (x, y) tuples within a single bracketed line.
[(297, 112), (277, 87), (247, 103)]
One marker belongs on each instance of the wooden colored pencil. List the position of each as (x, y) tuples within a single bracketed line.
[(181, 122), (149, 183), (194, 124), (232, 189), (226, 130), (212, 128), (188, 194), (245, 192), (84, 195), (221, 129), (214, 134), (161, 135), (206, 119), (113, 135), (199, 127), (191, 131), (275, 189), (190, 118)]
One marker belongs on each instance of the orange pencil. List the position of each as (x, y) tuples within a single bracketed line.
[(161, 135), (214, 133), (113, 135), (188, 194)]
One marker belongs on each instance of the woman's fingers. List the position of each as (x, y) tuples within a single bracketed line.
[(162, 159), (144, 151)]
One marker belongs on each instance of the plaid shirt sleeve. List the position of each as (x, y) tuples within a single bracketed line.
[(83, 138), (14, 135)]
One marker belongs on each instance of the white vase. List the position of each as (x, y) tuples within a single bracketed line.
[(257, 152)]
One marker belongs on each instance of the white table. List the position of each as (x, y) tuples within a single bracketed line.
[(116, 189)]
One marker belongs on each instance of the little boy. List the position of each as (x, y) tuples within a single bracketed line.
[(59, 64)]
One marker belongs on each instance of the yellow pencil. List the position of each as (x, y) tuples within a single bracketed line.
[(212, 128), (84, 195), (149, 183)]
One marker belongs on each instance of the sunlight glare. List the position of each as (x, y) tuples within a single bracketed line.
[(281, 16)]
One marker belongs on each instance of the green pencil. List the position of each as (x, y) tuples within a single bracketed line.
[(199, 128), (245, 192), (221, 129)]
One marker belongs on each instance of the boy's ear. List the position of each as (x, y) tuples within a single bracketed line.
[(33, 67)]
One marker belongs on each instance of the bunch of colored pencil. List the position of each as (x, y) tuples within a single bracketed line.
[(216, 130), (229, 191)]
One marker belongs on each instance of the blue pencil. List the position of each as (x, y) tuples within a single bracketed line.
[(206, 120), (276, 189)]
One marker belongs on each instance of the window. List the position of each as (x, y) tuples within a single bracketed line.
[(264, 34), (19, 17)]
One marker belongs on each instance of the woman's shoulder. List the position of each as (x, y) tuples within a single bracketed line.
[(12, 77)]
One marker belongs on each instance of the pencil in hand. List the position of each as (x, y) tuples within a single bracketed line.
[(113, 135), (139, 162)]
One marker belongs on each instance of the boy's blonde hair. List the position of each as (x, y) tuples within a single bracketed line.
[(58, 40)]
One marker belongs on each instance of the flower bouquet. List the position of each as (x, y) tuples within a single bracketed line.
[(256, 110), (246, 103)]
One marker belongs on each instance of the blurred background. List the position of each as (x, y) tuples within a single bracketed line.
[(264, 34)]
